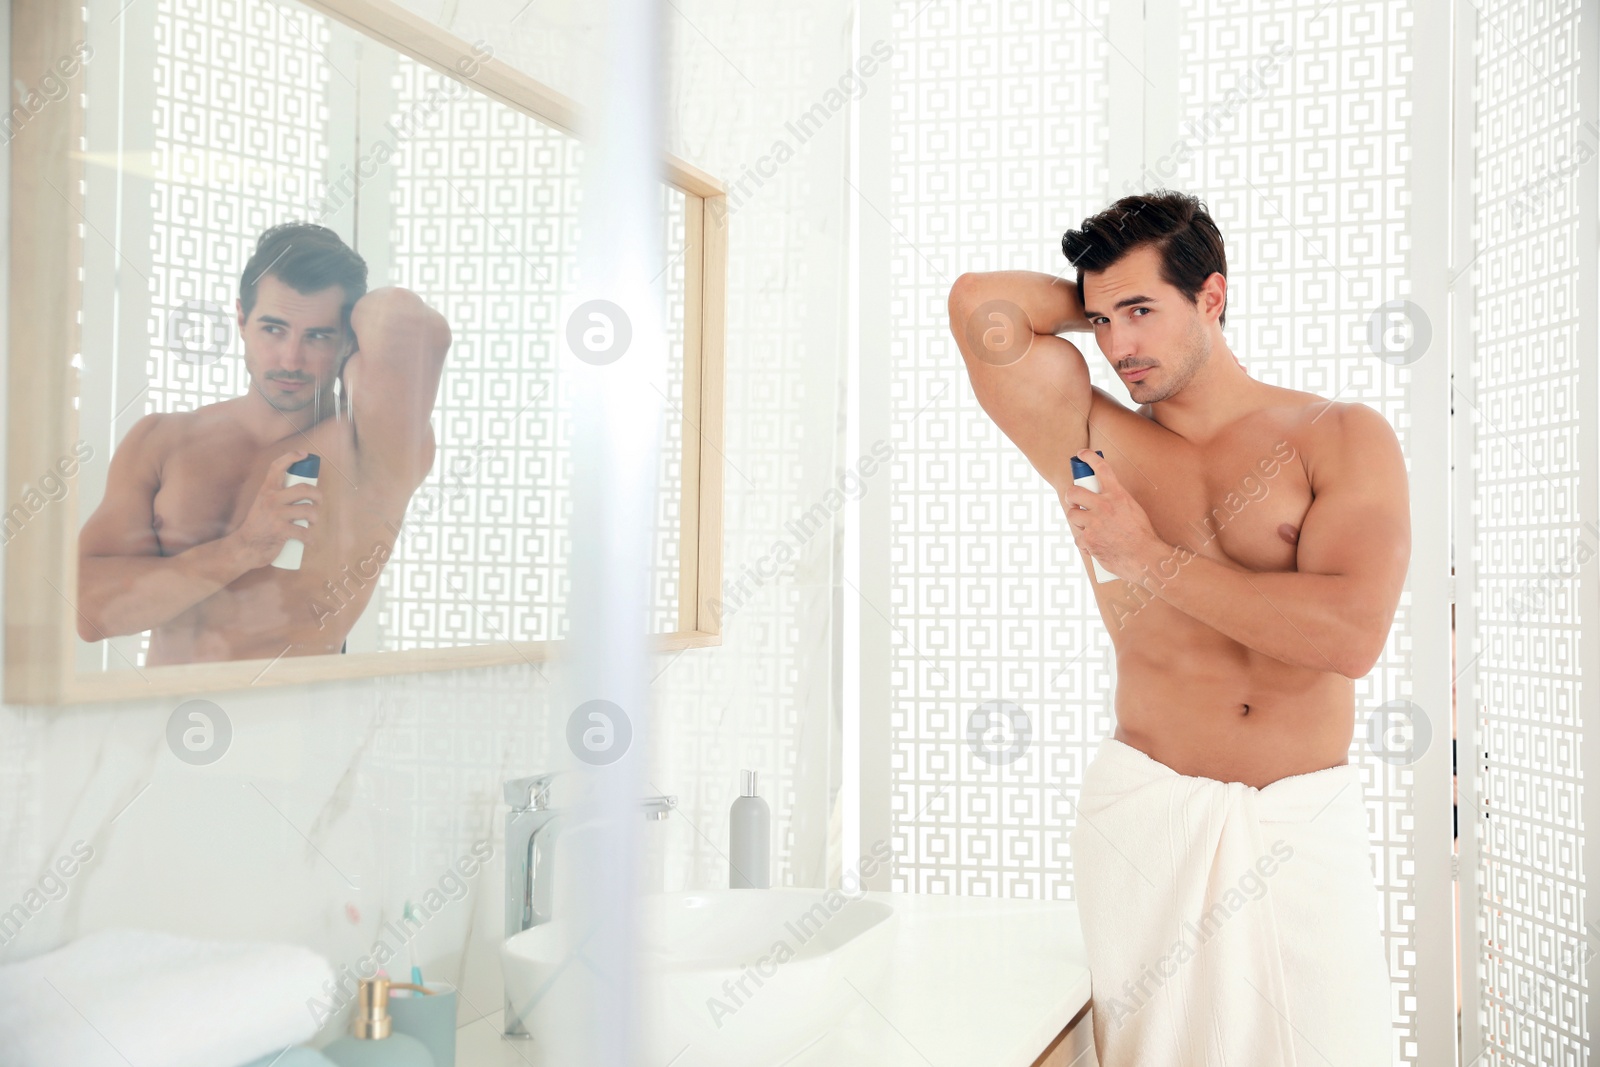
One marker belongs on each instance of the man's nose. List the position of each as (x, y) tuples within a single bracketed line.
[(295, 355), (1119, 343)]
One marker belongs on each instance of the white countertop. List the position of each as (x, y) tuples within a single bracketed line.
[(971, 980)]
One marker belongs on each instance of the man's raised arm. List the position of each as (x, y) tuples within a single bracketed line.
[(393, 380), (1034, 385)]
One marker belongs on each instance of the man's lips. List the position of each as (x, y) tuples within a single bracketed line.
[(289, 383), (1135, 375)]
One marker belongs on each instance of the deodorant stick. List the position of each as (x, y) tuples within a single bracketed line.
[(301, 472), (1084, 477)]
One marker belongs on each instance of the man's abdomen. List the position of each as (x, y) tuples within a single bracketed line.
[(1215, 709)]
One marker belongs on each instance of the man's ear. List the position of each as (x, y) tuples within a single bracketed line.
[(1217, 286)]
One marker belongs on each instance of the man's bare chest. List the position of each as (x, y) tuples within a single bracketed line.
[(209, 481), (1242, 498)]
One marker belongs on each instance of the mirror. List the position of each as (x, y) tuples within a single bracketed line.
[(306, 254)]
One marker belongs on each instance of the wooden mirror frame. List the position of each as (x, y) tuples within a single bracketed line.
[(45, 300)]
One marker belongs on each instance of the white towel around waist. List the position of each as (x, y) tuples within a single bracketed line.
[(1229, 926)]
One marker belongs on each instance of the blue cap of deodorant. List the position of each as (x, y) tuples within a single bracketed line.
[(1080, 469), (306, 468)]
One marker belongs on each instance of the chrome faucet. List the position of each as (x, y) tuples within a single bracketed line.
[(530, 855)]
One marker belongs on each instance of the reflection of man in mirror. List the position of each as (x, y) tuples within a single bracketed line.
[(196, 509)]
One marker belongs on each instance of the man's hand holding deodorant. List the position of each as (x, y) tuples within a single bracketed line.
[(300, 472), (285, 505), (1108, 523), (1084, 477)]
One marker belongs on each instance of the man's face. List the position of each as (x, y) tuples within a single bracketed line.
[(1156, 326), (293, 343)]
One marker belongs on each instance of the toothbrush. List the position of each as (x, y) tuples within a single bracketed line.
[(411, 948)]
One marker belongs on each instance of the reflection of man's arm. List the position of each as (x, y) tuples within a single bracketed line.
[(393, 381), (125, 584)]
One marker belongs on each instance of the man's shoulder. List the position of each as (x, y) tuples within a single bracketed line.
[(157, 432), (1342, 436), (1366, 431), (1321, 417), (156, 423), (1338, 417)]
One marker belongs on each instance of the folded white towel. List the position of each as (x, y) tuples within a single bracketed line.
[(1229, 926), (121, 997)]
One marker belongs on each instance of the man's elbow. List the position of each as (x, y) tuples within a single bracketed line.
[(1355, 671), (442, 337), (958, 290), (1365, 656), (958, 304), (417, 314), (89, 628), (84, 613), (94, 614), (403, 311), (101, 624)]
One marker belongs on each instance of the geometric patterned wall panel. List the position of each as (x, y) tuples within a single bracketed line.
[(241, 144), (1532, 148), (1002, 671), (1299, 128), (999, 680), (485, 224), (663, 603)]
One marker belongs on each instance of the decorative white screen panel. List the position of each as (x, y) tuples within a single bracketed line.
[(1001, 141), (1300, 131), (241, 144), (485, 224), (1534, 147), (998, 144)]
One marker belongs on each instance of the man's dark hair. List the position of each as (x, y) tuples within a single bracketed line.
[(307, 258), (1175, 223)]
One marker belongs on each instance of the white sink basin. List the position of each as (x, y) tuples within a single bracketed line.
[(729, 978)]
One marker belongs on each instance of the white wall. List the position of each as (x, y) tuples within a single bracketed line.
[(335, 803)]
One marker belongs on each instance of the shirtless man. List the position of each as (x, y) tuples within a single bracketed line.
[(1270, 527), (195, 508), (1261, 537)]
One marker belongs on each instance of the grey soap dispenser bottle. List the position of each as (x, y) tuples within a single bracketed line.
[(749, 832)]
